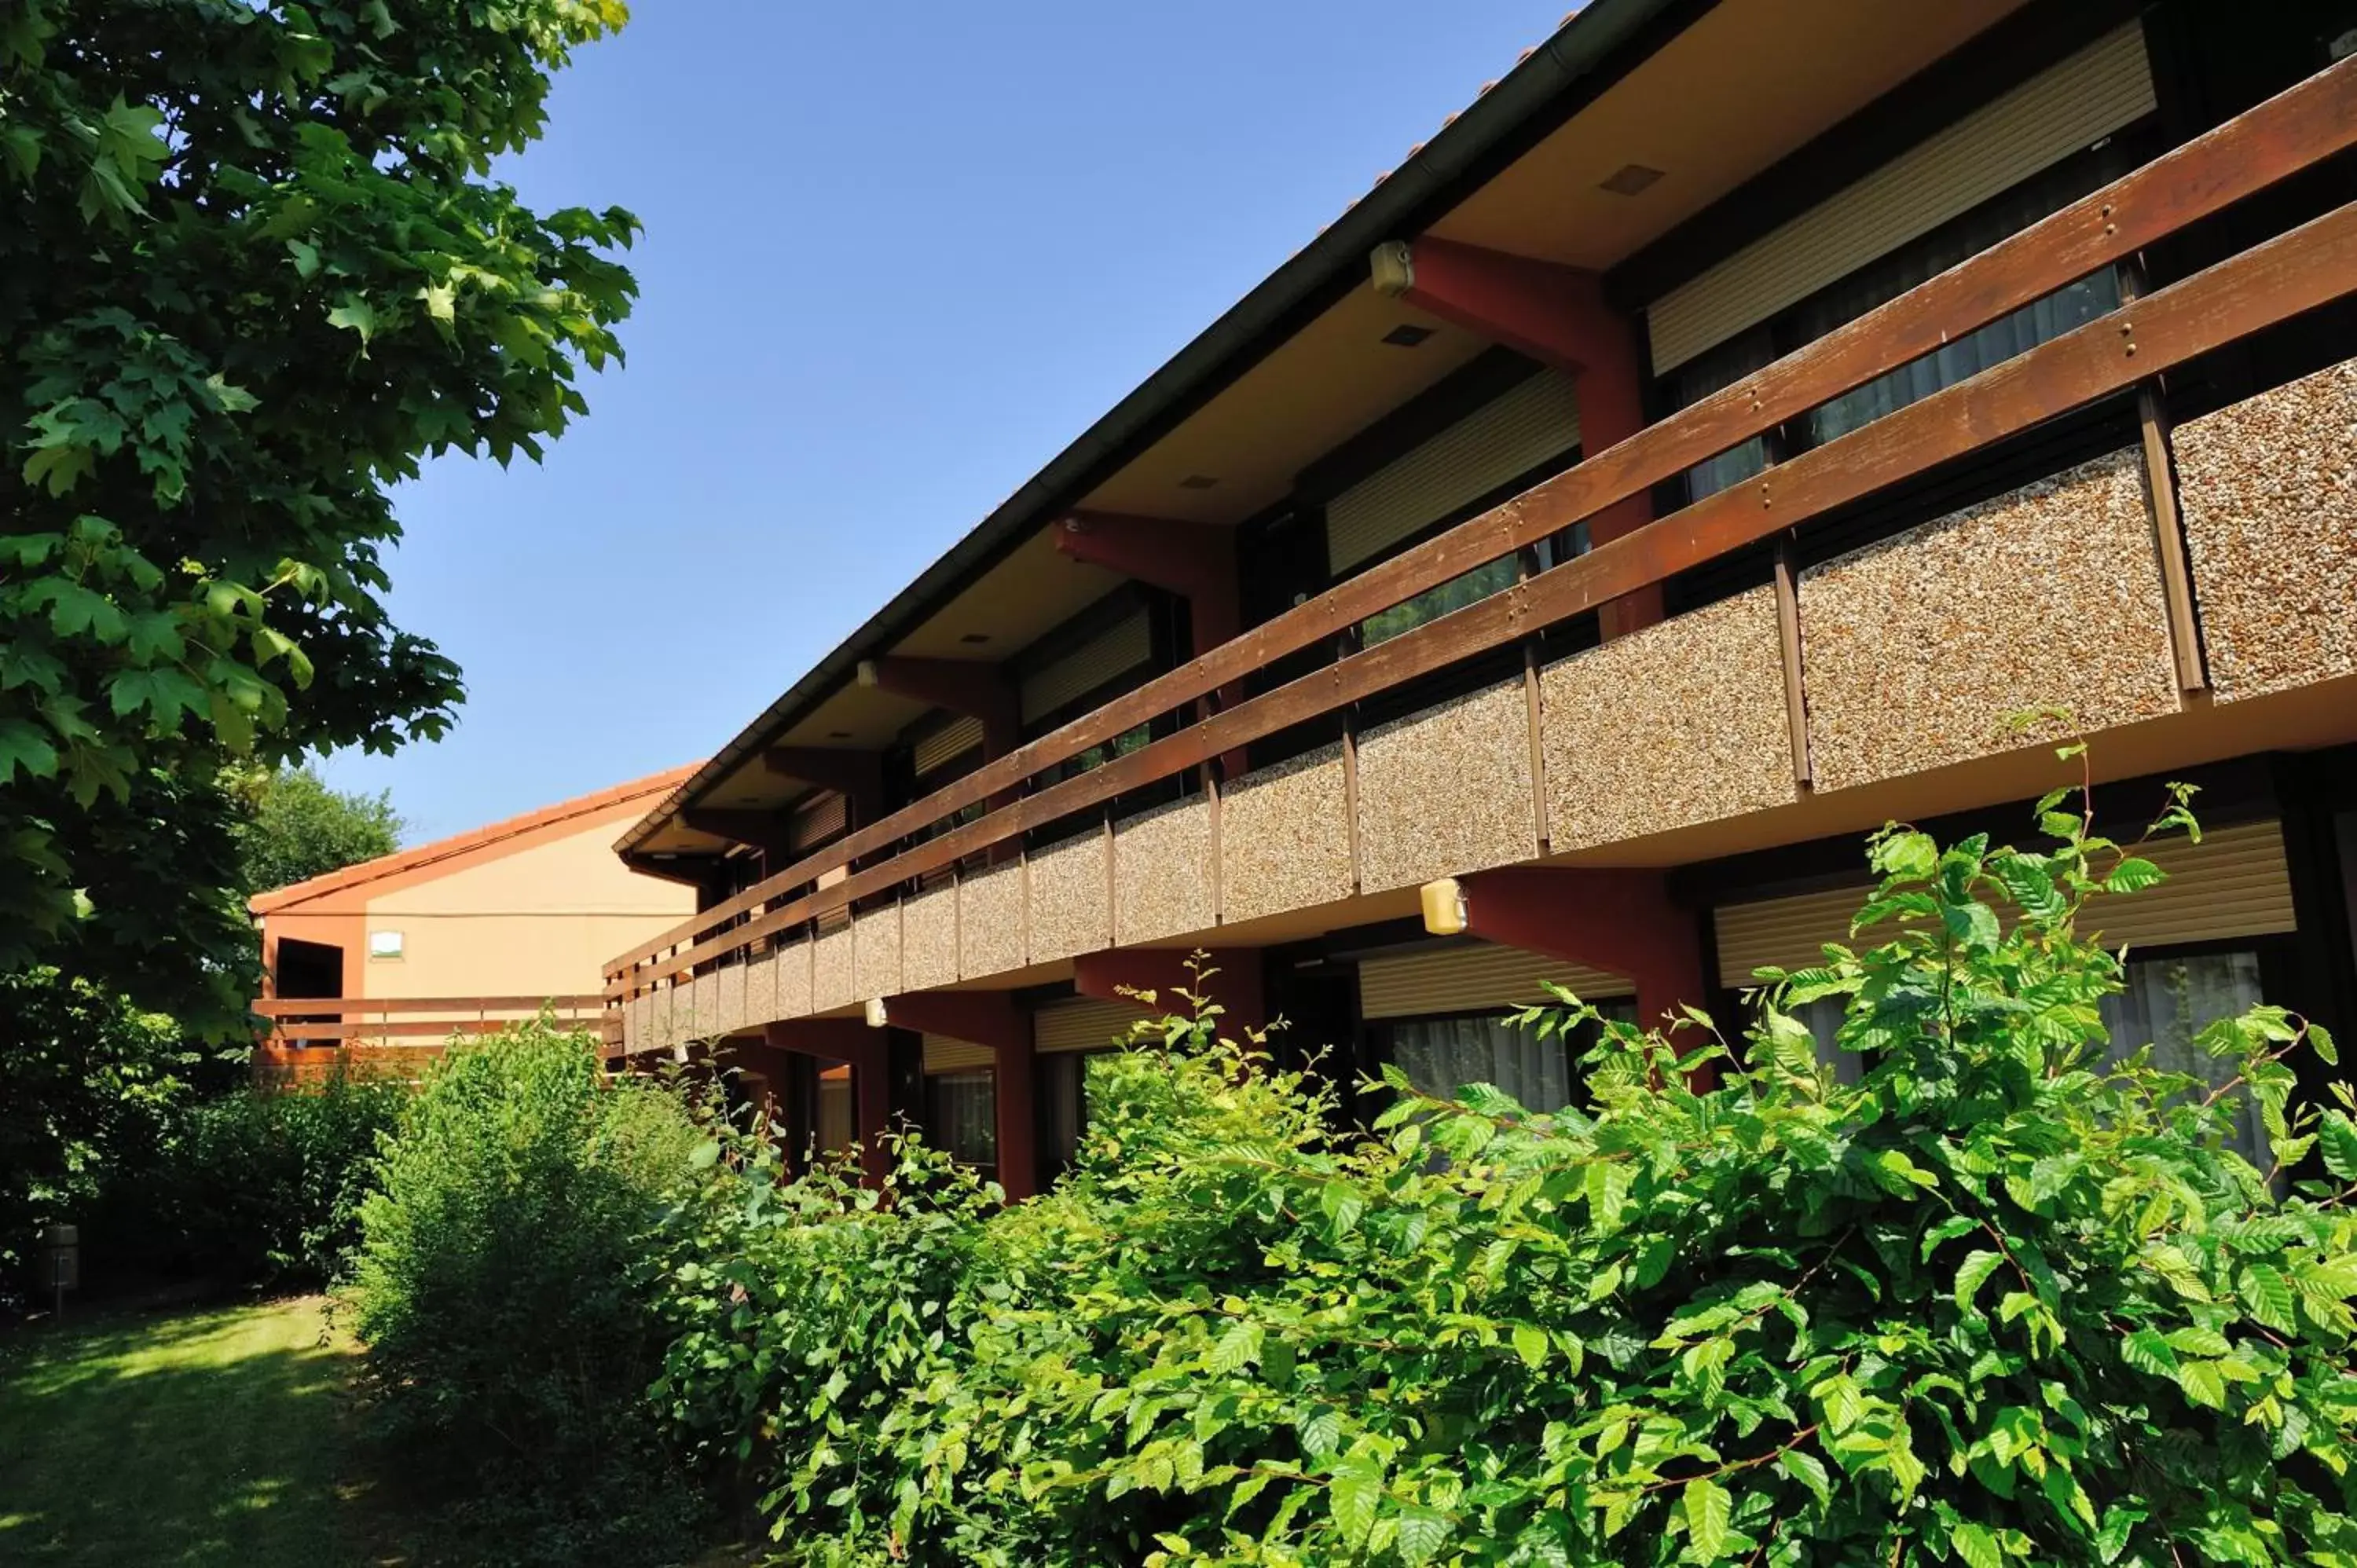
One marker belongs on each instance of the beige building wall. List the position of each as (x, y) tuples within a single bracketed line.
[(538, 922), (532, 907)]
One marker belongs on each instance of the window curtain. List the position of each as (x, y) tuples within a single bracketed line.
[(1442, 1055), (2168, 1002), (962, 1115)]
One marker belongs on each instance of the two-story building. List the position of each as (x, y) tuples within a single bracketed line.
[(1727, 435)]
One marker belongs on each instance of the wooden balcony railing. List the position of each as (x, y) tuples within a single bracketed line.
[(316, 1033), (2262, 287)]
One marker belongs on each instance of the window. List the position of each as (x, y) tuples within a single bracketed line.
[(1064, 1079), (2168, 1001), (837, 1128), (385, 944), (1433, 603), (1884, 280), (1441, 1056), (962, 1115)]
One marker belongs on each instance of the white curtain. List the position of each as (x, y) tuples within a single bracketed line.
[(964, 1115), (1441, 1056), (2168, 1002)]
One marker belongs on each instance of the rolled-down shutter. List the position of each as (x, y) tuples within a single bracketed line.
[(1536, 420), (1081, 1024), (2071, 106), (943, 1054), (1466, 977), (1119, 649), (946, 744), (816, 819), (2234, 882)]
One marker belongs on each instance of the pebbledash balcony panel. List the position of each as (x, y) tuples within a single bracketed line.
[(1284, 837), (1925, 648), (1447, 791), (2269, 491), (1068, 892), (928, 939), (875, 952), (1680, 723), (1165, 883)]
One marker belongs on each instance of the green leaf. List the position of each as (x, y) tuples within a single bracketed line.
[(357, 314), (1977, 1547), (2337, 1142), (1238, 1347), (1608, 1181), (706, 1157), (2148, 1351), (1420, 1534), (2268, 1296), (1356, 1491), (1708, 1510), (2134, 875), (2204, 1383), (1531, 1345), (1807, 1469), (1973, 1273), (24, 747)]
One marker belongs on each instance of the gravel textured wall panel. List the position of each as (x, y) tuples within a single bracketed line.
[(1678, 724), (990, 922), (638, 1021), (699, 1016), (793, 964), (1447, 791), (761, 988), (929, 926), (833, 981), (2269, 488), (1284, 837), (659, 1035), (728, 997), (875, 952), (1919, 648), (1162, 881), (1069, 900)]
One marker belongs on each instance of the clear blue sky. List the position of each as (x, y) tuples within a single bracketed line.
[(896, 257)]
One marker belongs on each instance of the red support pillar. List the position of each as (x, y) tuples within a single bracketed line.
[(1624, 921), (1557, 315), (1239, 986), (848, 1040), (1196, 561), (989, 1018)]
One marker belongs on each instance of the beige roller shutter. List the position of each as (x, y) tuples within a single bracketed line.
[(816, 819), (1464, 977), (946, 744), (2234, 882), (1783, 933), (2068, 107), (1081, 1024), (943, 1054), (1535, 420), (1119, 649)]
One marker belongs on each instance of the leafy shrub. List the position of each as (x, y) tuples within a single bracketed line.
[(501, 1289), (256, 1187), (2007, 1299)]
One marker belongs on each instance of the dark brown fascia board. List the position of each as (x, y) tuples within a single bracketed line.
[(1591, 51)]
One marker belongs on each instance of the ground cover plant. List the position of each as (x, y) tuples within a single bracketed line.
[(2012, 1297)]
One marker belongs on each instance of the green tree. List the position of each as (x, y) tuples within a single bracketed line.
[(297, 828), (253, 267)]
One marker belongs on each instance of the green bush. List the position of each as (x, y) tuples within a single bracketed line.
[(2006, 1300), (258, 1186), (501, 1288)]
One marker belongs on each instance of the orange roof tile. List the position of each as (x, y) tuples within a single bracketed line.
[(425, 854)]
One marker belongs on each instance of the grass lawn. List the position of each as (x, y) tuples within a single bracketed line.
[(213, 1437)]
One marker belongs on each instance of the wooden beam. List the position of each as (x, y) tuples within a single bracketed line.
[(2300, 126), (854, 773)]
